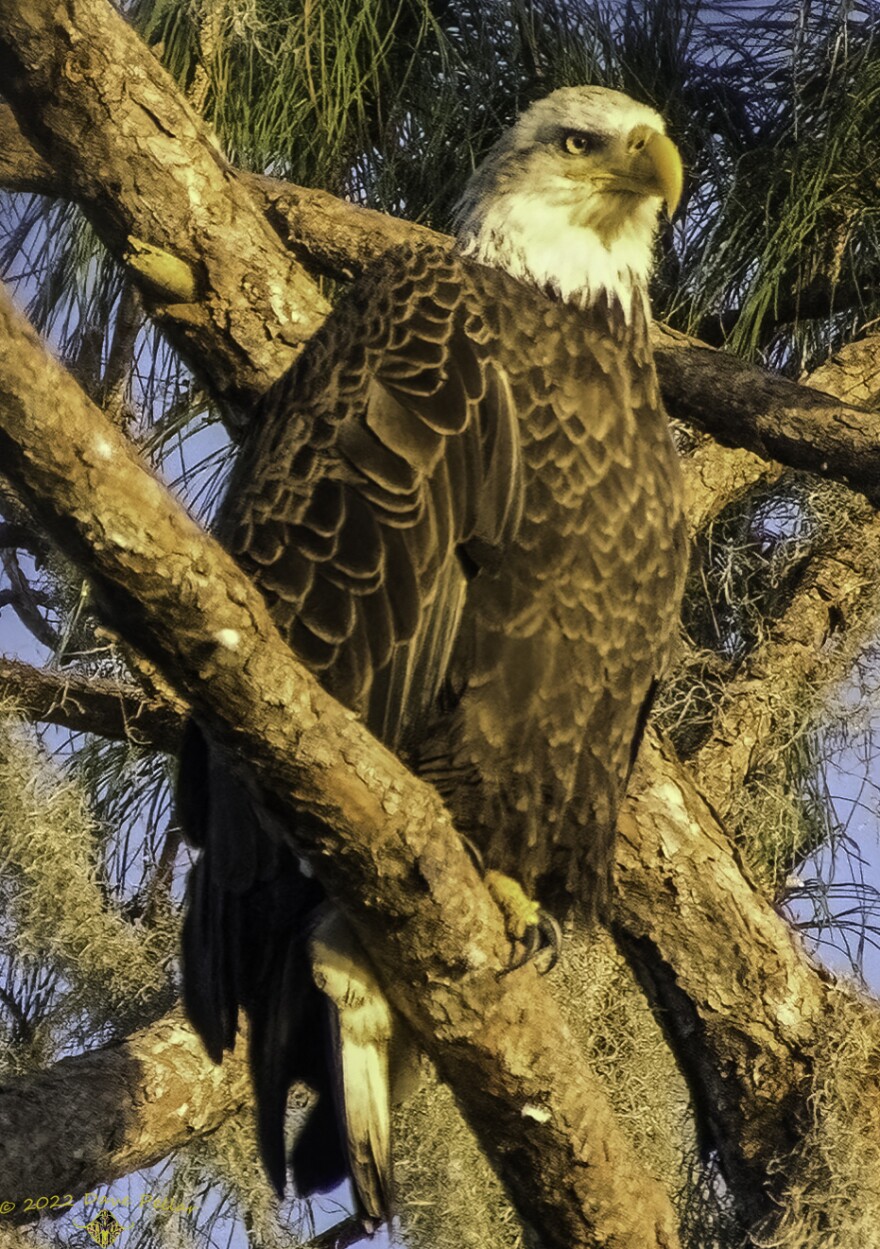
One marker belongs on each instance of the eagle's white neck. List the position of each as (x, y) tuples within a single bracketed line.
[(549, 243)]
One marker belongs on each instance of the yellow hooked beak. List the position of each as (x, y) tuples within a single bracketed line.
[(653, 166)]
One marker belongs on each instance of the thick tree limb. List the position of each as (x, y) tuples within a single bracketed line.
[(740, 405), (103, 1114), (836, 597), (92, 99), (776, 419), (329, 235), (21, 167), (387, 854), (747, 1011), (744, 1007), (91, 705)]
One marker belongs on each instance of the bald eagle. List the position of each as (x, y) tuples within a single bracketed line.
[(463, 508)]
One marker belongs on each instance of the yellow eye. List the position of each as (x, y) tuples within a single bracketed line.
[(580, 143)]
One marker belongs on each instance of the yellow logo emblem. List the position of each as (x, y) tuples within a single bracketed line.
[(104, 1229)]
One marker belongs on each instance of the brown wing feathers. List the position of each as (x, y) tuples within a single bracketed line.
[(462, 507), (350, 544)]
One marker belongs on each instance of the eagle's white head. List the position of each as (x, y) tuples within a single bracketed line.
[(569, 196)]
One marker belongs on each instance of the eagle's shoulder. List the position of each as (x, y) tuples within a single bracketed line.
[(389, 445)]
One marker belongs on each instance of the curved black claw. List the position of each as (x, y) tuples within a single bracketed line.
[(546, 935), (551, 939), (476, 855)]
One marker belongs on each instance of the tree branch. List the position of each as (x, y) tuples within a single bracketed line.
[(17, 536), (88, 95), (386, 851), (744, 1008), (821, 299), (714, 477), (331, 236), (748, 1012), (26, 602), (839, 586), (92, 705), (743, 406), (224, 334), (90, 1119)]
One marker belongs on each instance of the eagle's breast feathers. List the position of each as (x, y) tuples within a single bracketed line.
[(463, 507)]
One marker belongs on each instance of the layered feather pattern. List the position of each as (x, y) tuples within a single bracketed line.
[(463, 508)]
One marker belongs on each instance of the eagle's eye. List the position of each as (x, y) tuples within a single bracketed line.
[(581, 142)]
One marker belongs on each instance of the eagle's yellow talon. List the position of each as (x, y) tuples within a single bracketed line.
[(524, 921), (521, 913)]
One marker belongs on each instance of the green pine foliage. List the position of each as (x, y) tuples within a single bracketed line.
[(775, 255)]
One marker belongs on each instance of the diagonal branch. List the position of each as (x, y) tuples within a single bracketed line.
[(744, 1008), (92, 99), (777, 419), (103, 1114), (838, 588), (387, 852), (26, 602), (739, 404)]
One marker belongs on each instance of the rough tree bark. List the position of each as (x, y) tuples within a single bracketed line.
[(103, 1114), (391, 859), (96, 104), (838, 587), (758, 974), (91, 705), (234, 327), (771, 416), (743, 1007)]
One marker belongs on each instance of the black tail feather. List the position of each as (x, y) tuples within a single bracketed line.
[(208, 992), (250, 910)]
